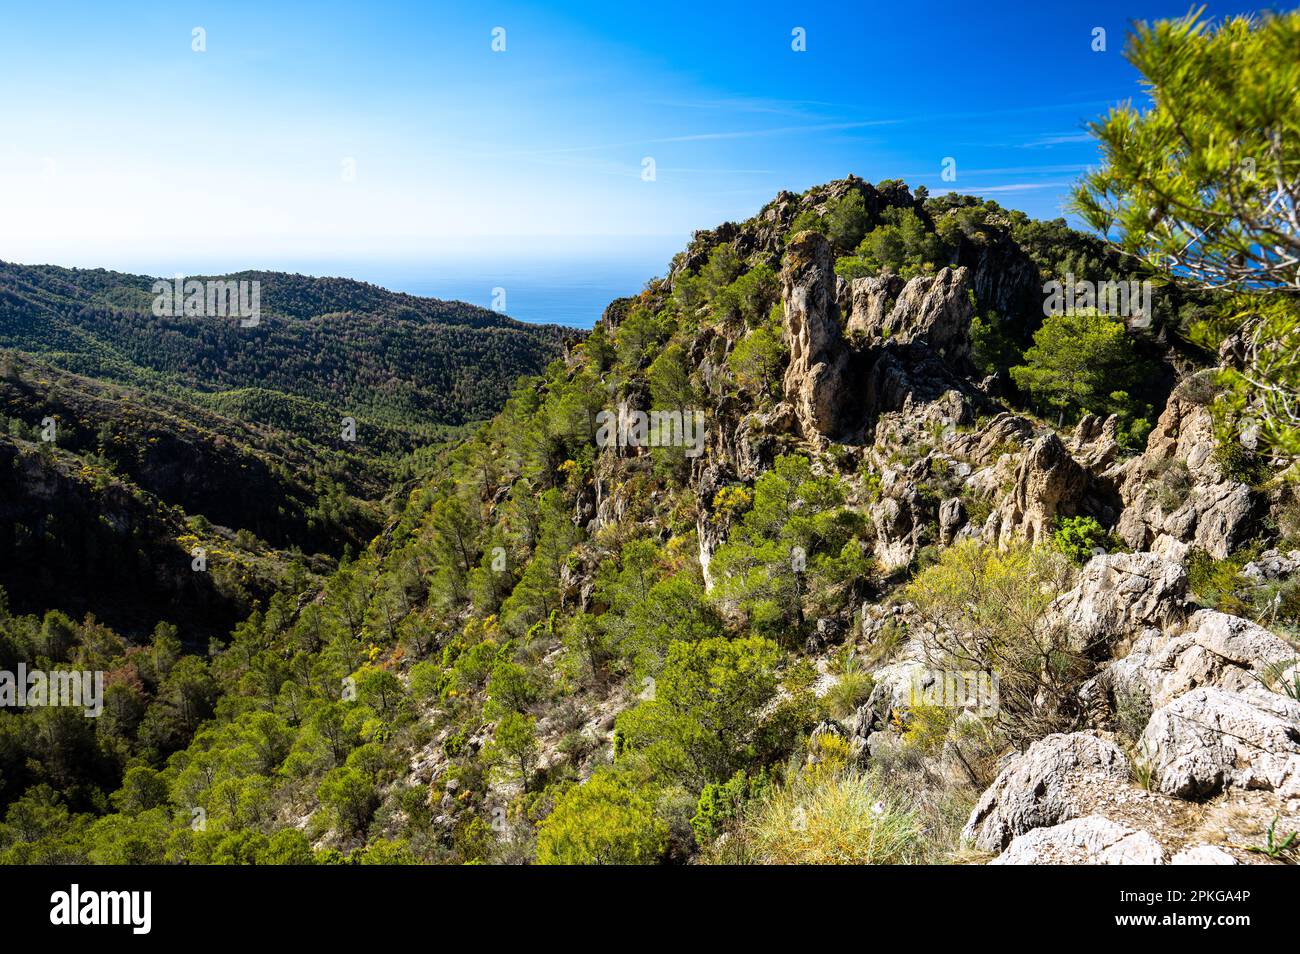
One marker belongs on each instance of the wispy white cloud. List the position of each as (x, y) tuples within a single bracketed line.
[(1010, 187), (1059, 139), (741, 104), (702, 137), (1004, 171), (718, 172)]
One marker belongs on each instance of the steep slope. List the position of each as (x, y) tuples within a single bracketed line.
[(288, 433)]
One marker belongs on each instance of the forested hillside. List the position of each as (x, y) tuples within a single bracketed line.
[(131, 438), (567, 649), (324, 348)]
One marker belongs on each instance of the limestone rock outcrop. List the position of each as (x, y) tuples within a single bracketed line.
[(1049, 484), (934, 310), (1095, 444), (1208, 740), (1052, 782), (1120, 595), (816, 379), (1092, 840), (1177, 495), (867, 302), (1213, 649), (1006, 432)]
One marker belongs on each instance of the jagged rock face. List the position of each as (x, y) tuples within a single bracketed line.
[(1217, 650), (1215, 730), (1049, 483), (899, 522), (1121, 595), (1050, 783), (1094, 840), (914, 381), (1208, 740), (1273, 565), (754, 447), (952, 517), (891, 692), (816, 380), (925, 336), (937, 311), (577, 582), (986, 445), (867, 301), (931, 309), (1207, 510), (1095, 444)]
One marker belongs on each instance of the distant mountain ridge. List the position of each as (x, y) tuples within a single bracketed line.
[(354, 349)]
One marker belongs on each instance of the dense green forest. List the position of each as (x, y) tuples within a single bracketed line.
[(324, 348)]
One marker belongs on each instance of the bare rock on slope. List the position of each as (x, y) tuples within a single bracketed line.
[(899, 522), (1213, 649), (1208, 740), (1177, 495), (1049, 483), (952, 517), (1121, 595), (1055, 780), (868, 301), (1007, 432), (1092, 840), (1273, 565), (1203, 855), (1095, 443), (935, 310), (816, 378)]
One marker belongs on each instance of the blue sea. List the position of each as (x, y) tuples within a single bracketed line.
[(561, 280), (561, 291)]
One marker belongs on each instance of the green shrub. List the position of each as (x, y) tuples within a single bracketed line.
[(288, 846), (1239, 463), (848, 693), (900, 244), (602, 822), (988, 610), (350, 794), (1079, 537), (1218, 583), (719, 805)]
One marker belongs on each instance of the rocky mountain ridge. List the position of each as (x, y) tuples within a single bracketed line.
[(877, 365), (563, 648)]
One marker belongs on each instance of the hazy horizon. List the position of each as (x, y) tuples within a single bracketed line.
[(547, 284), (253, 135)]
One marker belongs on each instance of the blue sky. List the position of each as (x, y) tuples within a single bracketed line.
[(393, 130)]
